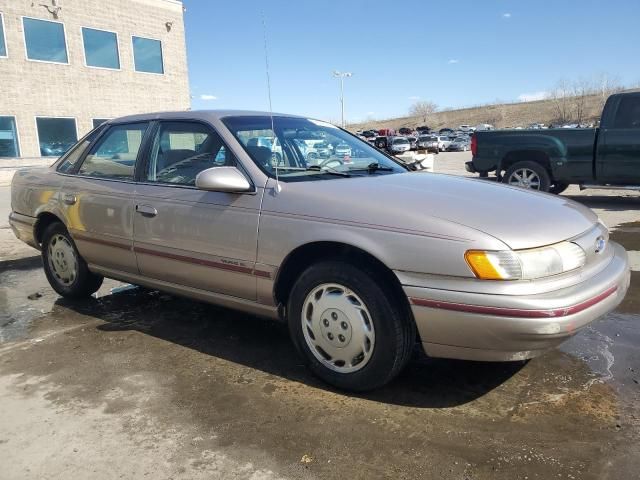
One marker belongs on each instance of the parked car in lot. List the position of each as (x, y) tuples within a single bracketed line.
[(398, 145), (428, 143), (459, 144), (443, 142), (405, 131), (342, 149), (193, 206), (413, 142), (552, 159)]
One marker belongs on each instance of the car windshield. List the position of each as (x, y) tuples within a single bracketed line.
[(291, 146), (400, 141)]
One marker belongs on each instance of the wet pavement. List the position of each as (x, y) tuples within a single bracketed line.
[(136, 382)]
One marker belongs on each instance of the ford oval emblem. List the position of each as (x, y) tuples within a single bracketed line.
[(601, 244)]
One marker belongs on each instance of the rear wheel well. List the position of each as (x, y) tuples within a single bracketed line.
[(536, 156), (43, 221), (305, 256)]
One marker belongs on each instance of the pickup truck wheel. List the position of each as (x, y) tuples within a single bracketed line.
[(65, 269), (558, 187), (350, 330), (528, 175)]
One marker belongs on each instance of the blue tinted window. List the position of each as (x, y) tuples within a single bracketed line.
[(3, 46), (100, 48), (8, 137), (56, 135), (45, 40), (147, 55)]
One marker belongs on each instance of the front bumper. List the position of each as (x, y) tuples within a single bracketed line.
[(481, 326)]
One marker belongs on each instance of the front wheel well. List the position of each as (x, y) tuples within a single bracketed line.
[(306, 255), (44, 220)]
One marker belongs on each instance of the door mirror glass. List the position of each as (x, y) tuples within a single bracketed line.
[(223, 179)]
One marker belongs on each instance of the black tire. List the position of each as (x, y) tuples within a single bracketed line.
[(85, 282), (539, 170), (558, 187), (394, 327)]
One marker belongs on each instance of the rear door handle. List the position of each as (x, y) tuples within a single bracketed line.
[(69, 199), (146, 210)]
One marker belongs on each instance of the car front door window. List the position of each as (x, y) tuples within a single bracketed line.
[(181, 150)]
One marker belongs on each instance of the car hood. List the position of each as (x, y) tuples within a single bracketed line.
[(519, 218)]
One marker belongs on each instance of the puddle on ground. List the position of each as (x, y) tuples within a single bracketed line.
[(25, 296), (627, 235)]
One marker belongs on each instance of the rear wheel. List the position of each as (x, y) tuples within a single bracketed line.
[(529, 175), (352, 332), (66, 270)]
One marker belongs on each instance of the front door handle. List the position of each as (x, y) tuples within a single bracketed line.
[(146, 210), (69, 199)]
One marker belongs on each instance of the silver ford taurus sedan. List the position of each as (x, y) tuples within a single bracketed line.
[(361, 257)]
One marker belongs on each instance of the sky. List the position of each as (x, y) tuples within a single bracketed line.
[(455, 54)]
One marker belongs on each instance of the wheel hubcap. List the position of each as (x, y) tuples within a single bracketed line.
[(62, 260), (525, 178), (337, 327)]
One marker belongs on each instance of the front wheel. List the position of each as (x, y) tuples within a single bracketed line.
[(529, 175), (353, 333), (66, 270)]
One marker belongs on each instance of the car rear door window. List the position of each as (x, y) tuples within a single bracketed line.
[(181, 150), (114, 155), (628, 115), (70, 159)]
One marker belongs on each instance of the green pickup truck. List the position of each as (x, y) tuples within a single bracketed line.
[(551, 160)]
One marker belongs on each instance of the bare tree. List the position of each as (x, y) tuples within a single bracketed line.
[(560, 95), (423, 109), (581, 90)]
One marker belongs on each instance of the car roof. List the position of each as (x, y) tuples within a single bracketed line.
[(207, 115)]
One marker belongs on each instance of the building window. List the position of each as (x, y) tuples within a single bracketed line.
[(45, 40), (100, 48), (3, 42), (56, 135), (9, 137), (147, 55), (99, 121)]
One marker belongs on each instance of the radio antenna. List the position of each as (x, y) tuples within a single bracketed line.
[(273, 130)]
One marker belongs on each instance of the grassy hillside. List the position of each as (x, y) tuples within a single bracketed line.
[(500, 115)]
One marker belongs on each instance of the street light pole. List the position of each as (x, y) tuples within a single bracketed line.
[(341, 76)]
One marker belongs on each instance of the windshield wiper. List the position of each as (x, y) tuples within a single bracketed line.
[(329, 170), (376, 166), (373, 167)]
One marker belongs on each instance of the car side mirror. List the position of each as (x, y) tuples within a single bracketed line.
[(223, 179)]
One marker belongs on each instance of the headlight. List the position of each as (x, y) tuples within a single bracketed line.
[(525, 264)]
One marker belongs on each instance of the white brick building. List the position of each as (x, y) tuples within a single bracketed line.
[(68, 64)]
